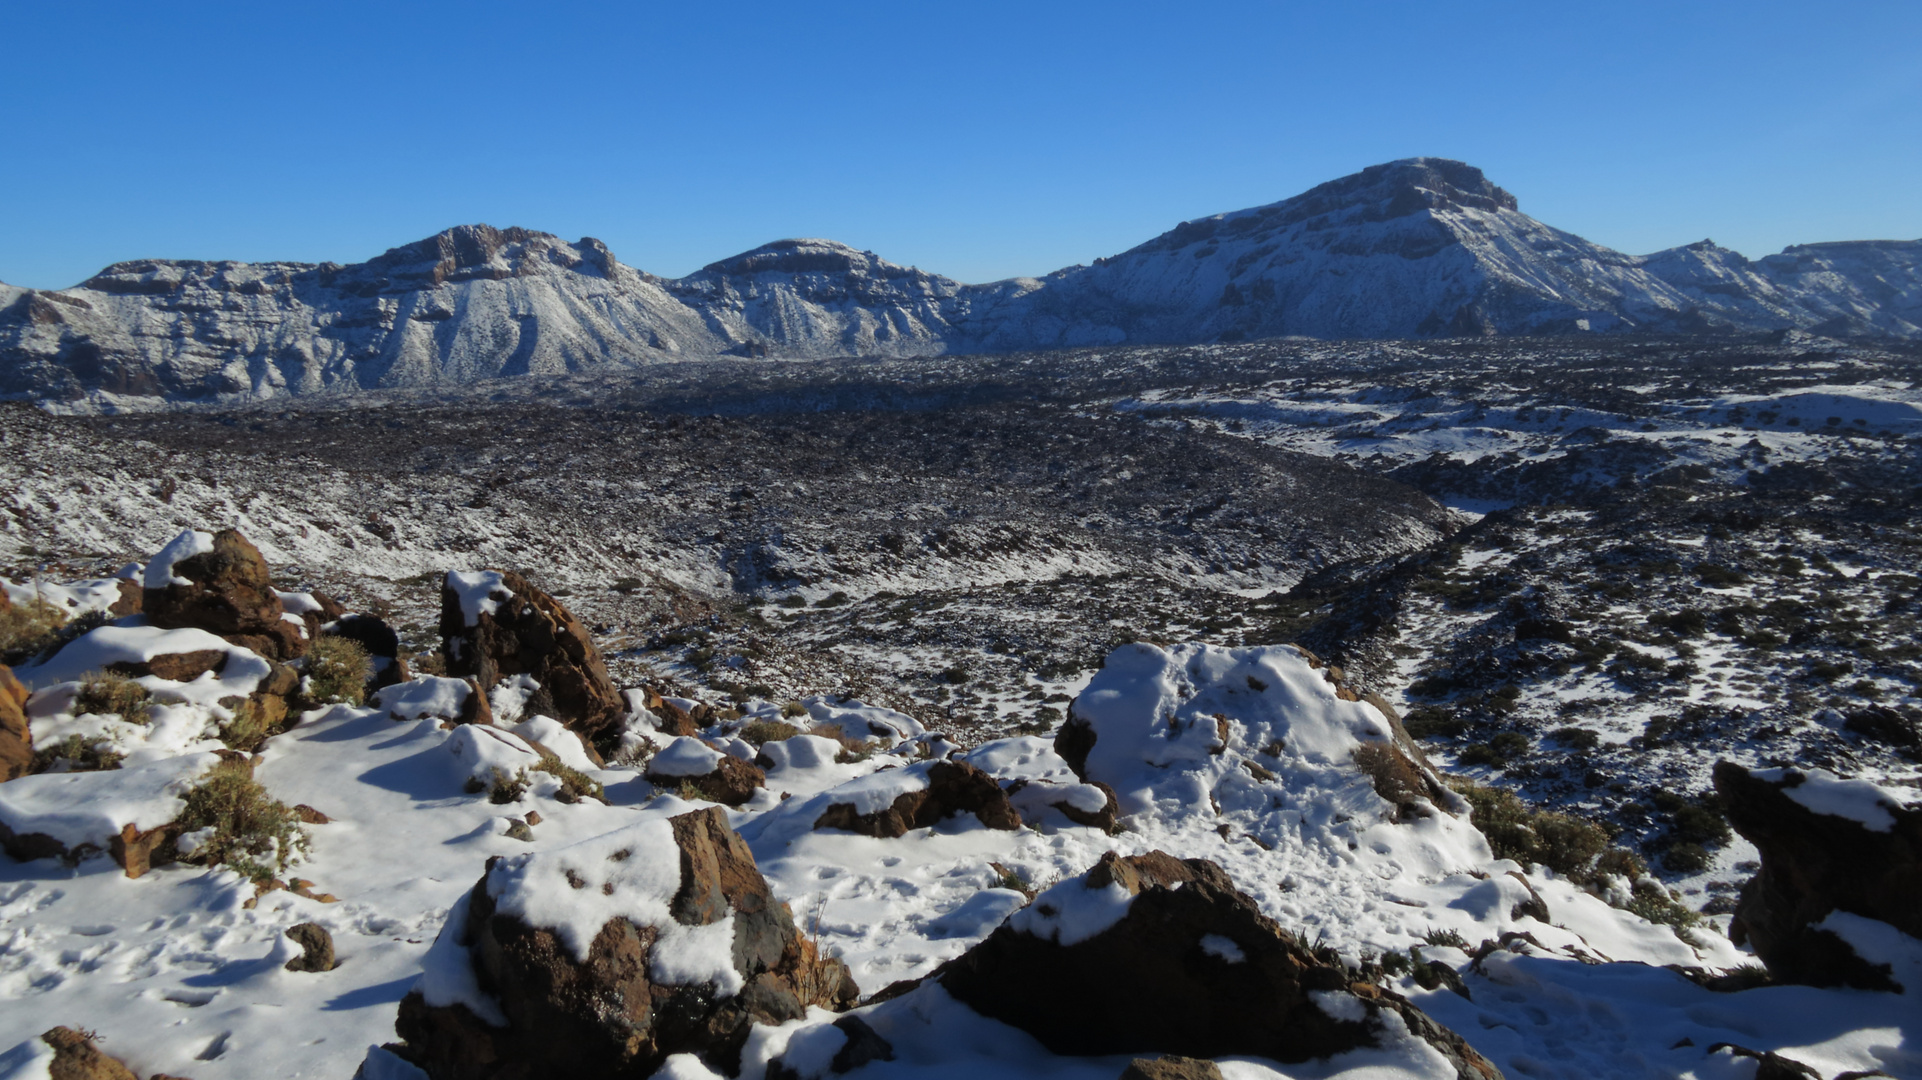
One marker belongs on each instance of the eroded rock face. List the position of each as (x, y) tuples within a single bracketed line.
[(954, 787), (228, 591), (1153, 954), (610, 1015), (16, 745), (494, 625), (1815, 864)]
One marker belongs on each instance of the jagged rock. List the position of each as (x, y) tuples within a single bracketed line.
[(1815, 863), (1171, 1067), (1150, 953), (174, 667), (494, 625), (584, 1000), (16, 745), (953, 787), (75, 1057), (130, 602), (316, 948), (228, 591)]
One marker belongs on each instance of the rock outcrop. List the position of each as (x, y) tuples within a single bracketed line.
[(1827, 846), (497, 624), (953, 787), (16, 744), (687, 763), (1153, 954), (75, 1057), (693, 960), (222, 585)]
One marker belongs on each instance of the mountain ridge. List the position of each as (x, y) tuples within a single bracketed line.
[(1416, 248)]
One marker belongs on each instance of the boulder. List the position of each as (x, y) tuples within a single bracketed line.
[(720, 777), (953, 787), (16, 744), (1826, 846), (316, 948), (1171, 1067), (1154, 954), (495, 624), (700, 951), (222, 585)]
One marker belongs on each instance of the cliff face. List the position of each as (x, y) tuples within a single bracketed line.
[(1423, 247)]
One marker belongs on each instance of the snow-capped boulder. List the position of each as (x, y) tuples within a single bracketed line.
[(496, 624), (713, 775), (126, 812), (1835, 853), (219, 582), (1150, 953), (605, 957), (893, 802), (1166, 725), (16, 745), (436, 696)]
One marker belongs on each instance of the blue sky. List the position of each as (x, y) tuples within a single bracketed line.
[(976, 140)]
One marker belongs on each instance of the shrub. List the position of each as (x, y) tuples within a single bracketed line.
[(833, 599), (1562, 842), (1432, 721), (249, 728), (79, 754), (575, 785), (794, 600), (627, 584), (111, 694), (504, 789), (427, 663), (230, 819), (30, 627), (1446, 938), (793, 709), (1576, 738), (767, 731), (1686, 858), (1719, 577), (337, 671)]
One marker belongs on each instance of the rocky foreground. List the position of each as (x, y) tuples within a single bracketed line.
[(249, 835)]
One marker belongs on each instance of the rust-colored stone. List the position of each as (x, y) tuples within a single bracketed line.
[(531, 633)]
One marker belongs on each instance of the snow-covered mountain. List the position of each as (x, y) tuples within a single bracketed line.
[(1423, 247)]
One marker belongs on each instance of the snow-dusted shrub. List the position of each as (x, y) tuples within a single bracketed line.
[(230, 819), (250, 726), (112, 694), (575, 785), (765, 731), (76, 754), (29, 627), (337, 671)]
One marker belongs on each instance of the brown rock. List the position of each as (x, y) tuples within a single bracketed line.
[(1814, 864), (531, 633), (316, 945), (605, 1018), (1147, 984), (16, 744), (229, 592), (175, 667), (138, 852), (1171, 1067), (954, 787), (732, 782), (310, 816), (674, 720), (476, 709), (75, 1057), (129, 602), (1104, 819)]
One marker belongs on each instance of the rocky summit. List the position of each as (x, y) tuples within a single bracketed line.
[(1418, 248)]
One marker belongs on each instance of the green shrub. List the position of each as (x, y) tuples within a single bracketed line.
[(1562, 842), (1686, 858), (30, 627), (111, 694), (79, 754), (767, 731), (337, 671), (1576, 738), (575, 785), (793, 600), (793, 709), (627, 584), (1448, 938), (250, 726), (252, 832)]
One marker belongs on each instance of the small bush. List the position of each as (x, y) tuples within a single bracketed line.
[(627, 585), (1566, 844), (793, 709), (110, 694), (427, 663), (337, 671), (1446, 938), (1576, 738), (575, 785), (250, 727), (1719, 577), (504, 789), (836, 598), (1432, 721), (794, 600), (240, 825), (30, 627), (1652, 902), (1687, 858), (79, 755), (767, 731)]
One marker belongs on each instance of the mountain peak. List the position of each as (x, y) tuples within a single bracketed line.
[(1412, 184), (809, 256)]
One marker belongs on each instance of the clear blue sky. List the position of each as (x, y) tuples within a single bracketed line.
[(977, 140)]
